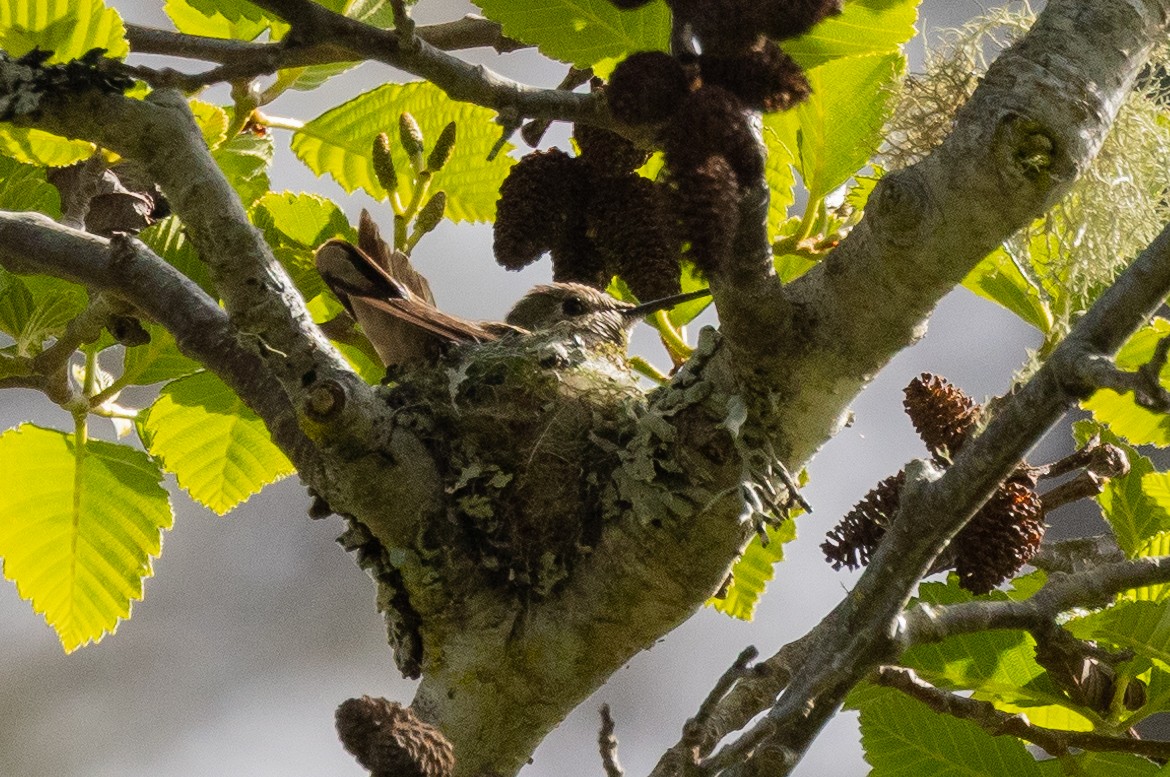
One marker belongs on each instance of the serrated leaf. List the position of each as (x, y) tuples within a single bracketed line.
[(998, 666), (36, 147), (997, 278), (1118, 411), (582, 32), (212, 121), (78, 532), (167, 239), (863, 27), (244, 161), (904, 738), (34, 308), (156, 361), (25, 188), (68, 28), (1099, 765), (235, 19), (833, 134), (752, 572), (339, 142), (218, 449), (1135, 514), (304, 220), (295, 225), (1144, 627)]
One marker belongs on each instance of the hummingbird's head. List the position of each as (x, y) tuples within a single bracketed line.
[(583, 310)]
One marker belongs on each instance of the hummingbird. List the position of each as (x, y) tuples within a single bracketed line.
[(393, 303)]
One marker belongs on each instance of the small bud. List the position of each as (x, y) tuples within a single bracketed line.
[(444, 147), (431, 213), (384, 163), (412, 140)]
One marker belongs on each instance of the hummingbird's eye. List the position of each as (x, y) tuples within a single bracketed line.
[(573, 306)]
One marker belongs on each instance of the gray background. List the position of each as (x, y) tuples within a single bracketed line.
[(257, 624)]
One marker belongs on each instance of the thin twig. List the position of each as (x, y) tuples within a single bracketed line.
[(608, 744), (998, 723)]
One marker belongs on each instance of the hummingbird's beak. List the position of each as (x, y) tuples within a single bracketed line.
[(665, 303)]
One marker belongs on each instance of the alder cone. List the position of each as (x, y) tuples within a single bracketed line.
[(536, 204), (853, 540), (607, 153), (646, 88), (712, 122), (630, 225), (1001, 538), (575, 256), (941, 413), (389, 740), (721, 25), (764, 78), (782, 19), (706, 203)]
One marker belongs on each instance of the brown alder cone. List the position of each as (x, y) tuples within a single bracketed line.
[(995, 543), (537, 202), (647, 87), (607, 153), (764, 78), (853, 540), (1001, 538), (942, 414), (389, 739), (630, 225), (713, 122), (706, 203)]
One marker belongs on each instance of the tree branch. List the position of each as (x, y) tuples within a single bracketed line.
[(1093, 587), (984, 714), (126, 270)]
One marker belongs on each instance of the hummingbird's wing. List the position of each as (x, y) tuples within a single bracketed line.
[(396, 263), (402, 326)]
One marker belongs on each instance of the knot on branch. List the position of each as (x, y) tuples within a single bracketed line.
[(1029, 149), (325, 400), (390, 740), (900, 203)]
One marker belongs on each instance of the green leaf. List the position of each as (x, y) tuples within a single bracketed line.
[(169, 241), (68, 28), (339, 142), (78, 534), (294, 225), (904, 738), (864, 27), (303, 220), (582, 32), (25, 188), (755, 568), (212, 121), (37, 147), (833, 134), (235, 19), (156, 361), (1136, 505), (1144, 627), (34, 308), (681, 315), (244, 160), (998, 279), (1099, 765), (218, 449), (999, 666), (1123, 416)]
